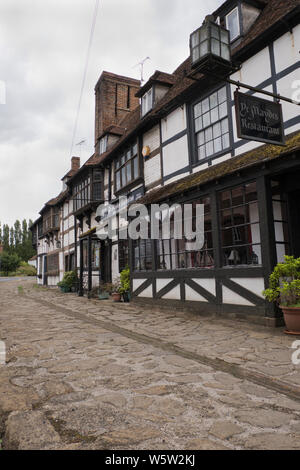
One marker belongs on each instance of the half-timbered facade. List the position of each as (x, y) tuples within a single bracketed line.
[(175, 140)]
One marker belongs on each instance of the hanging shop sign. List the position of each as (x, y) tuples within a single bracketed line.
[(259, 119)]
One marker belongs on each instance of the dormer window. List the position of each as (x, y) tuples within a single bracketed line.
[(103, 145), (232, 21), (147, 101)]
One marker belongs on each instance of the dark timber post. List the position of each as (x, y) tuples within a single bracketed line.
[(89, 264), (267, 234), (216, 244), (80, 292)]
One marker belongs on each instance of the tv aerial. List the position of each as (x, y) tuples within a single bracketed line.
[(141, 65)]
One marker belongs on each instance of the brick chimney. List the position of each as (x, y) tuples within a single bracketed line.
[(75, 163), (115, 98)]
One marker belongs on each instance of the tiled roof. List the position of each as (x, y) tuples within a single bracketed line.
[(257, 156), (228, 2), (273, 12), (56, 200), (158, 77)]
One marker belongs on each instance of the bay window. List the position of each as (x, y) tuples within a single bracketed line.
[(88, 190), (142, 252), (180, 253), (127, 167), (240, 230)]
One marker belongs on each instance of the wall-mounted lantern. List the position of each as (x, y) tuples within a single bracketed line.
[(210, 47)]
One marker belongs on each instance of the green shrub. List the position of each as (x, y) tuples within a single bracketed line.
[(69, 279), (284, 283), (26, 269), (125, 280)]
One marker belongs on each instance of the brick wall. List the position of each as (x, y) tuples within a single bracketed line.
[(115, 98)]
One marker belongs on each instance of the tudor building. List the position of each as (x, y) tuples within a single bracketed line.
[(181, 144)]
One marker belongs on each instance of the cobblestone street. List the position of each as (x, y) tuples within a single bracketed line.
[(87, 374)]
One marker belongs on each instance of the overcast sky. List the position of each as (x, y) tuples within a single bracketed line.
[(43, 47)]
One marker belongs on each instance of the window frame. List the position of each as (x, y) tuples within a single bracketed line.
[(238, 22), (103, 142), (184, 254), (119, 166), (123, 254), (52, 264), (85, 189), (152, 92), (236, 228), (193, 134)]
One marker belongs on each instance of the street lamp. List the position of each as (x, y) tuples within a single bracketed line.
[(210, 47)]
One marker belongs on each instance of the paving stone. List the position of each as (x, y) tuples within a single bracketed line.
[(272, 441), (99, 389), (225, 429), (29, 431), (124, 437), (203, 444), (158, 390), (264, 418)]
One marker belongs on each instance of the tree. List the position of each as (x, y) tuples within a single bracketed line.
[(5, 237), (18, 239), (9, 262)]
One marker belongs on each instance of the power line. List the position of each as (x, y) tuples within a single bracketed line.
[(85, 72)]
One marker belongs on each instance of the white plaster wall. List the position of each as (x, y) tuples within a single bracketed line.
[(285, 88), (175, 156), (176, 178), (161, 283), (203, 166), (230, 297), (174, 123), (255, 70), (193, 296), (174, 294), (254, 284), (152, 170), (136, 283), (52, 281), (151, 138), (207, 284), (221, 159), (148, 292), (286, 49)]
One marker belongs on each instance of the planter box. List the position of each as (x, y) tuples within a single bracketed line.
[(126, 296), (292, 319), (103, 296)]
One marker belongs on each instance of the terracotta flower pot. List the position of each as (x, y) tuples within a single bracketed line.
[(292, 319), (116, 296)]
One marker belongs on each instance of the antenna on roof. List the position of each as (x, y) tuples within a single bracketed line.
[(141, 64), (80, 144)]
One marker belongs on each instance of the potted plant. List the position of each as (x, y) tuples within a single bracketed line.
[(284, 289), (68, 282), (125, 284), (116, 291)]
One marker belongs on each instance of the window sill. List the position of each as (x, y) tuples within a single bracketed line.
[(211, 158)]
